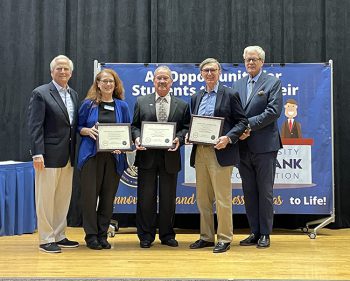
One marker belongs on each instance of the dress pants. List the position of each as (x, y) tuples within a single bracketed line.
[(258, 174), (53, 190), (213, 186), (149, 182), (99, 184)]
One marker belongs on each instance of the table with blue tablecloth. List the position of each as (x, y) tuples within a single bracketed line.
[(17, 198)]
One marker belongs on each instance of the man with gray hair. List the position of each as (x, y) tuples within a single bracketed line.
[(261, 97), (52, 124), (158, 168), (214, 163)]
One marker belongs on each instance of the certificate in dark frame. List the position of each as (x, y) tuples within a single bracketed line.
[(146, 141), (128, 141), (220, 124)]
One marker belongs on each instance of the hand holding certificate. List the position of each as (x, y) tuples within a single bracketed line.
[(205, 129), (158, 134), (113, 136)]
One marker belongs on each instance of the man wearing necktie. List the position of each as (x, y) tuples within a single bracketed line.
[(259, 145), (158, 168), (52, 125), (214, 164)]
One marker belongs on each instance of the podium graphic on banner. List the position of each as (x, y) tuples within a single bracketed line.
[(294, 166)]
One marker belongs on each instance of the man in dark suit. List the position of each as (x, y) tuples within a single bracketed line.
[(214, 164), (261, 97), (157, 168), (52, 126)]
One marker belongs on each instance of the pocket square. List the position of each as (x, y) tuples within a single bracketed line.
[(261, 93)]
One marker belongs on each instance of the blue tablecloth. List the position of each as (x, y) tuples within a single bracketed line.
[(17, 199)]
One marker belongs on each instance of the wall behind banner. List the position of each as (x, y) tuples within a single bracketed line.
[(34, 31)]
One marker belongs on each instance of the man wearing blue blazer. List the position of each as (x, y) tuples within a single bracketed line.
[(261, 97), (214, 163), (52, 124)]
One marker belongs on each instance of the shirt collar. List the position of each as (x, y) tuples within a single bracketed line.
[(215, 90), (255, 78), (167, 97), (59, 88)]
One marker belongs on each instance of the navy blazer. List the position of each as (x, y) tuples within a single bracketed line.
[(145, 110), (228, 105), (263, 109), (51, 133), (88, 116)]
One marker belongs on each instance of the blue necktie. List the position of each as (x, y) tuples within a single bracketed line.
[(250, 88)]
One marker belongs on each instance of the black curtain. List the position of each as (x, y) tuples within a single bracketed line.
[(34, 31)]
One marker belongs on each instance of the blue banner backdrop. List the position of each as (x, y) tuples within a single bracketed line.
[(303, 183)]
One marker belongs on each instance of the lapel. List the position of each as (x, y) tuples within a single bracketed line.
[(198, 101), (219, 96), (173, 106), (256, 88), (151, 104), (56, 96), (243, 91)]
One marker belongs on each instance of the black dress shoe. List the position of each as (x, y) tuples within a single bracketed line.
[(94, 245), (104, 243), (221, 247), (145, 244), (264, 241), (170, 242), (201, 244), (252, 239)]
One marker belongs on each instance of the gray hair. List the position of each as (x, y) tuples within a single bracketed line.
[(61, 57), (258, 49), (207, 61), (163, 67)]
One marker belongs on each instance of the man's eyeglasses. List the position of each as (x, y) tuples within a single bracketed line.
[(107, 81), (207, 70), (254, 60)]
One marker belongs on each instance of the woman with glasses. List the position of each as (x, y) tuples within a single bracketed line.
[(100, 171)]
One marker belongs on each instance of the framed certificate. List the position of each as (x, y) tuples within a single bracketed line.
[(158, 134), (112, 136), (205, 129)]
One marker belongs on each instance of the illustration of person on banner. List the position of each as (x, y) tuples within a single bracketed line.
[(291, 128)]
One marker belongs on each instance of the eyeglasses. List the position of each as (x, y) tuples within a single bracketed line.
[(254, 60), (107, 81), (161, 77), (207, 70)]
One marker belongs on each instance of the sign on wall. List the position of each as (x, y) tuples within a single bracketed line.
[(303, 182)]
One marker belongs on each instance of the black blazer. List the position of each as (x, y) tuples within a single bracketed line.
[(50, 131), (145, 110), (228, 105)]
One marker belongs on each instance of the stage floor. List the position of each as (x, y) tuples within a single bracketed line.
[(292, 255)]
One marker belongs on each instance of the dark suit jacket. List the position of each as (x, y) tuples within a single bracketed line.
[(227, 105), (50, 131), (145, 110), (294, 134), (262, 109)]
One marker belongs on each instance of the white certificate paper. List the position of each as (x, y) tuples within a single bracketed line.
[(112, 136), (158, 134), (205, 129)]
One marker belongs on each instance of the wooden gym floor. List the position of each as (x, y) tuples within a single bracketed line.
[(292, 255)]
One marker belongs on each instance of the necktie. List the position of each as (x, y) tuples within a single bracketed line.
[(162, 114), (250, 88), (290, 124)]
